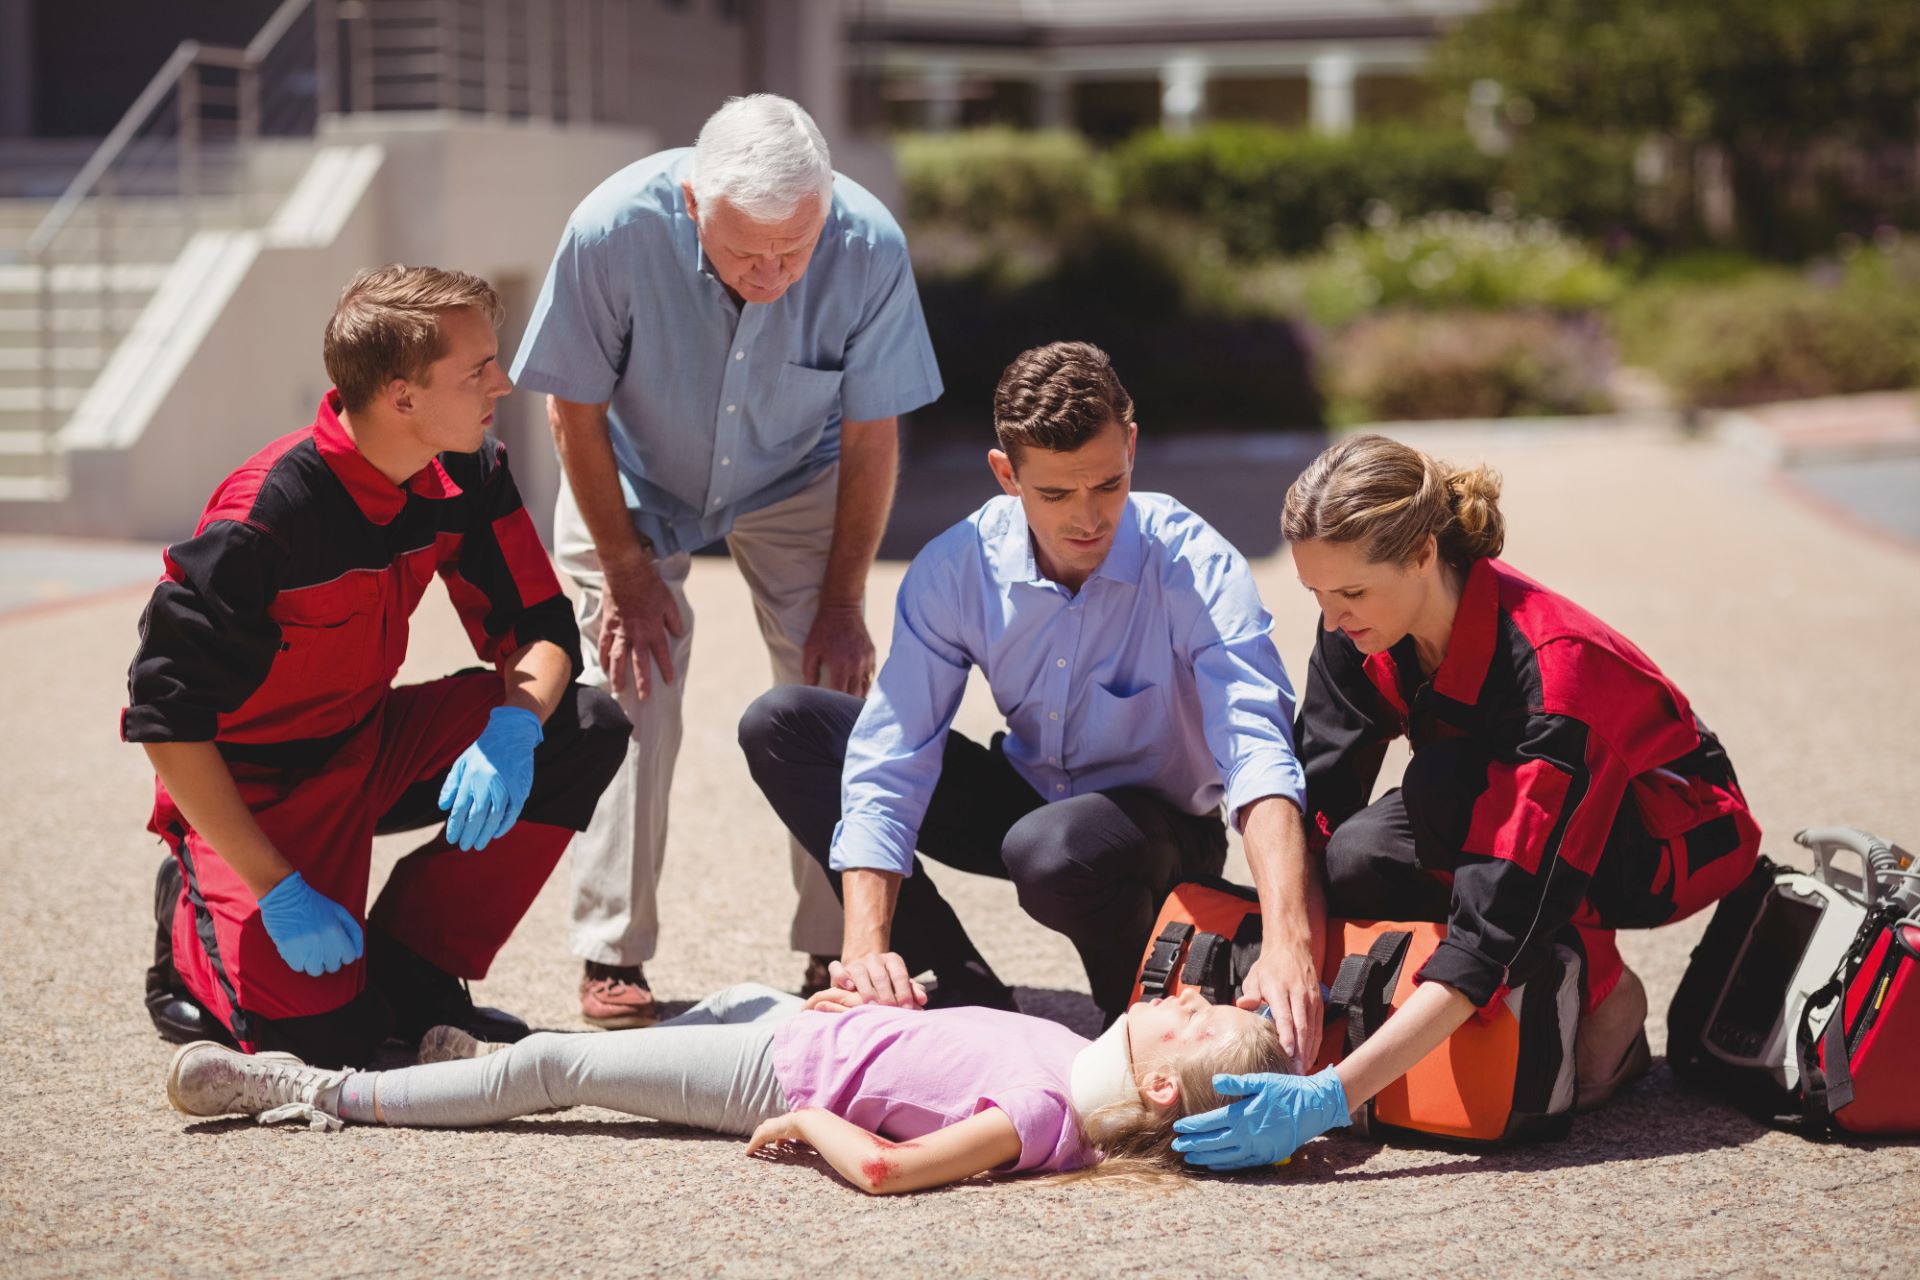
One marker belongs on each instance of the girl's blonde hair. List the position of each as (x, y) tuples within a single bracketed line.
[(1135, 1138), (1389, 498)]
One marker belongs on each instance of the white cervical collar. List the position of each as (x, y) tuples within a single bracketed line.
[(1103, 1071)]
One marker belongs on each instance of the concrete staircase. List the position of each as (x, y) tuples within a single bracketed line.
[(108, 263)]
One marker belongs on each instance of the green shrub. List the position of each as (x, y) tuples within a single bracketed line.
[(1889, 261), (1452, 260), (1273, 191), (1467, 364), (983, 179), (1773, 337)]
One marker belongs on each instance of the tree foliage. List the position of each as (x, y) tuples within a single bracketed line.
[(1726, 71)]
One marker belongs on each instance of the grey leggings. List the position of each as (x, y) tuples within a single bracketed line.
[(711, 1067)]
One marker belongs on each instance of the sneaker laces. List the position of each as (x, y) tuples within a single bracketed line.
[(266, 1087)]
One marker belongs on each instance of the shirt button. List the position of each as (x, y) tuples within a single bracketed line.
[(726, 462), (1053, 759), (1059, 662), (732, 407), (739, 355), (716, 502), (1053, 715), (1059, 786)]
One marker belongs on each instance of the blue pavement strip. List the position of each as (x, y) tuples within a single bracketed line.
[(1881, 492), (36, 572)]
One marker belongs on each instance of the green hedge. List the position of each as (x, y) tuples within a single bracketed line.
[(1261, 191), (1273, 191), (981, 179)]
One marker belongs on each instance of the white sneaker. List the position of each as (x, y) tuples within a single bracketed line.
[(451, 1044), (207, 1079)]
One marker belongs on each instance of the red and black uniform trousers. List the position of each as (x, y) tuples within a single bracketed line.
[(1560, 788), (276, 633)]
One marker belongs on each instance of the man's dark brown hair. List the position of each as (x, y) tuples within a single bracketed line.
[(1058, 397), (387, 326)]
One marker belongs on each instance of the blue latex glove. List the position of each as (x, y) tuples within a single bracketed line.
[(1270, 1118), (314, 933), (490, 781)]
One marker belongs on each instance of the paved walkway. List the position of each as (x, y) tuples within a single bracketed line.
[(1794, 636)]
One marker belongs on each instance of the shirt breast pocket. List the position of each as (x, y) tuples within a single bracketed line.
[(1121, 725), (331, 637), (796, 411)]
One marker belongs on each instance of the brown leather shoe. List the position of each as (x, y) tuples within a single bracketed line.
[(1610, 1051), (817, 976), (617, 997)]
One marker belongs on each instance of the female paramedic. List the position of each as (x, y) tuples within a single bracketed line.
[(1560, 785)]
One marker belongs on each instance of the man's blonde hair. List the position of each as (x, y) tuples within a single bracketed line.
[(387, 326)]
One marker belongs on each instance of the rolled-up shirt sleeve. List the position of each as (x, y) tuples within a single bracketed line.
[(1246, 700), (889, 364), (206, 640), (898, 743), (577, 340)]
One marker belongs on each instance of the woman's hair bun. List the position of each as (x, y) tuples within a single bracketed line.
[(1479, 530)]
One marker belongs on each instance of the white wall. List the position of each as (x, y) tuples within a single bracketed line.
[(229, 356)]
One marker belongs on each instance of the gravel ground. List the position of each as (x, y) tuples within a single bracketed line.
[(1794, 636)]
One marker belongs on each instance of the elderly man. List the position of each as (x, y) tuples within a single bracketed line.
[(727, 337), (1127, 646)]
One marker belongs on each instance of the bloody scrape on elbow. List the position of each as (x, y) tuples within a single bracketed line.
[(878, 1169)]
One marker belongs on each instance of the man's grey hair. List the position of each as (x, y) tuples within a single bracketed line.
[(763, 155)]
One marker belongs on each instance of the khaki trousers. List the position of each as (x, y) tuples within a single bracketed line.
[(616, 861)]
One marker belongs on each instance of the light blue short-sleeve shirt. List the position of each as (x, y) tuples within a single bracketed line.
[(718, 408)]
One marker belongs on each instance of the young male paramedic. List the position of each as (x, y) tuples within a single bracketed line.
[(1127, 646), (262, 691)]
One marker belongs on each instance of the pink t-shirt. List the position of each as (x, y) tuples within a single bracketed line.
[(903, 1073)]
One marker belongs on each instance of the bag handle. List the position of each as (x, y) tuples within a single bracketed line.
[(1825, 1090), (1363, 989), (1880, 861)]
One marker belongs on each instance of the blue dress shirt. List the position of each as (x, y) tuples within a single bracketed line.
[(1159, 673), (719, 409)]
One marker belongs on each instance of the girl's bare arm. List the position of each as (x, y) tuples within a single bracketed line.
[(1434, 1012), (879, 1167)]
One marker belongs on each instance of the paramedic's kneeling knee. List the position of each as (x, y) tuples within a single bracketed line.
[(1361, 865)]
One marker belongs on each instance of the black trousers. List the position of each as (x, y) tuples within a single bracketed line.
[(1094, 867)]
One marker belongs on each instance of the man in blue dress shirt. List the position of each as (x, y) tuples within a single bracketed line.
[(727, 336), (1127, 646)]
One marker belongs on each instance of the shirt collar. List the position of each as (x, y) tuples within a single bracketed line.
[(379, 499), (1476, 629), (1011, 549), (1128, 550), (693, 251)]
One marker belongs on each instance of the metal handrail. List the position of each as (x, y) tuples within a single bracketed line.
[(113, 144), (178, 77), (538, 60), (275, 29)]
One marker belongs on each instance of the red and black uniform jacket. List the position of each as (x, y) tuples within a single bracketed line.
[(280, 624), (1573, 721)]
